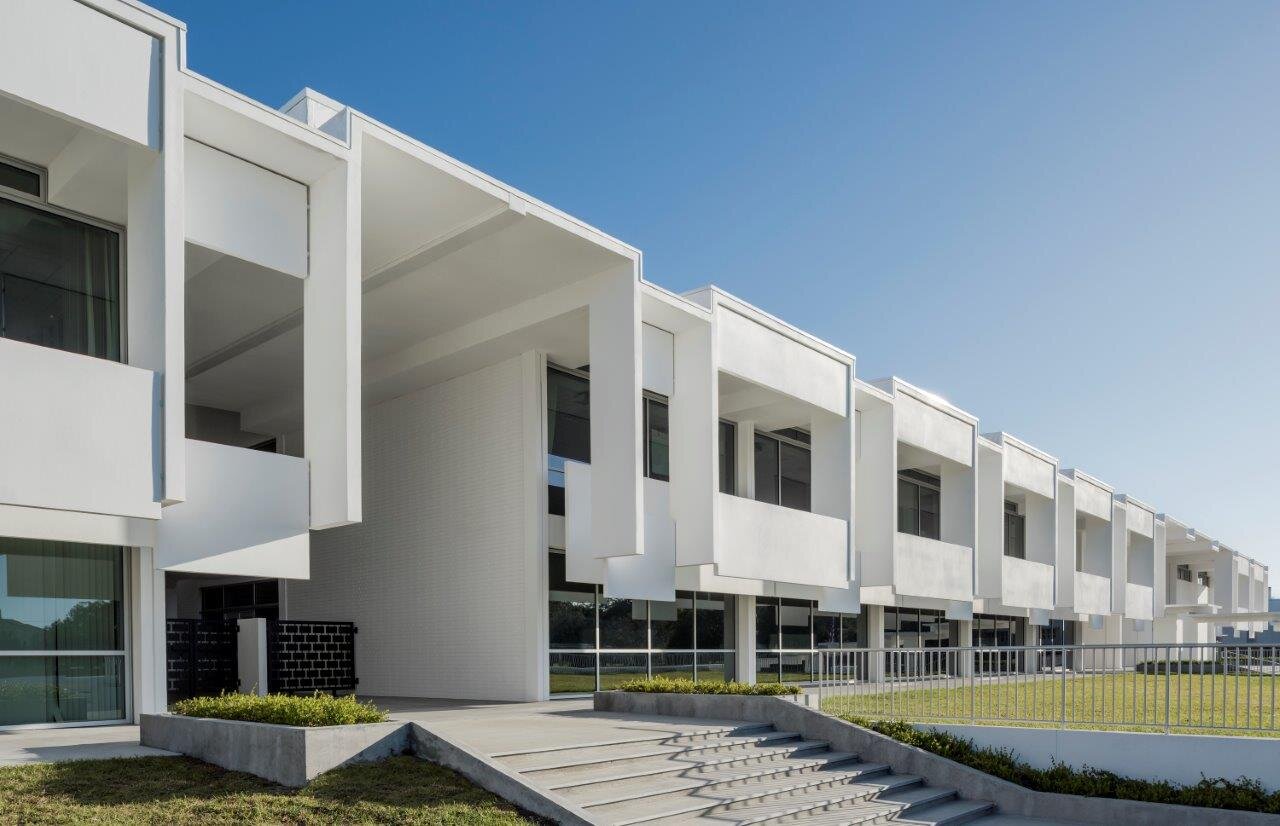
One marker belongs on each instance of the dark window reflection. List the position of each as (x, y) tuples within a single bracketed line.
[(672, 622), (572, 609), (568, 416)]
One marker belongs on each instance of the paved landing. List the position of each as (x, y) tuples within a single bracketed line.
[(62, 744)]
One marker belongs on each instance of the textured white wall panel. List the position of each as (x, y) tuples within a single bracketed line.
[(437, 575)]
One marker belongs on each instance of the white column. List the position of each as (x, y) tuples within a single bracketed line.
[(156, 281), (1065, 569), (875, 640), (617, 506), (331, 335), (745, 640), (833, 490), (695, 446), (147, 634), (745, 458), (1119, 556), (964, 639)]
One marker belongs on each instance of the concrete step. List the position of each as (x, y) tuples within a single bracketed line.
[(570, 780), (946, 813), (752, 801), (712, 783), (886, 807), (540, 765), (655, 736)]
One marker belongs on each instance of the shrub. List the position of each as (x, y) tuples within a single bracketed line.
[(282, 709), (1242, 794), (670, 685)]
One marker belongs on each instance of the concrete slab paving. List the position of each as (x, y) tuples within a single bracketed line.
[(57, 745)]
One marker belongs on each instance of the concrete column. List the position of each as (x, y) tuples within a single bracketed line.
[(617, 506), (964, 639), (875, 640), (744, 641), (148, 634), (251, 656), (695, 445)]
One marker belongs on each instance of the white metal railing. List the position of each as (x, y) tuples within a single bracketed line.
[(1194, 688)]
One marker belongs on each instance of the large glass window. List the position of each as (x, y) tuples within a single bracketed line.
[(790, 632), (783, 469), (19, 179), (597, 642), (568, 429), (59, 281), (1015, 531), (919, 500), (61, 632)]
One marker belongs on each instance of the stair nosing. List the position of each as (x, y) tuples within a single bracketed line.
[(799, 747), (746, 730), (876, 768), (908, 780), (979, 809), (782, 737), (942, 793)]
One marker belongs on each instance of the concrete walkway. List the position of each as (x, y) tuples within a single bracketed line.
[(57, 745)]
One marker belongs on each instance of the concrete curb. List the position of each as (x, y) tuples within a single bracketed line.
[(972, 784), (288, 755)]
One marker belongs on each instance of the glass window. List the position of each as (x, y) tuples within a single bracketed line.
[(23, 180), (850, 634), (674, 666), (61, 689), (767, 623), (573, 672), (728, 458), (1015, 531), (657, 445), (616, 669), (672, 622), (919, 500), (59, 282), (623, 623), (572, 609), (715, 621), (794, 619), (568, 416), (794, 474), (826, 630), (766, 469), (60, 596)]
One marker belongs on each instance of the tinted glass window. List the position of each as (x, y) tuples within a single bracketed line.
[(672, 622), (23, 180), (766, 469), (766, 623), (59, 282), (60, 596), (568, 416), (793, 617), (572, 609), (826, 630), (715, 621), (657, 441), (622, 623), (795, 476), (728, 463)]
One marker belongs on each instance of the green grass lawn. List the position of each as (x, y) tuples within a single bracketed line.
[(1198, 704), (183, 791)]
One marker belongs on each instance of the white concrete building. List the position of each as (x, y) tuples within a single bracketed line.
[(291, 363)]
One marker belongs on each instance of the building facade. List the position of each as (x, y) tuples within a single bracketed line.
[(292, 363)]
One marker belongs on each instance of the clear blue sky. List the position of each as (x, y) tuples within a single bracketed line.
[(1060, 216)]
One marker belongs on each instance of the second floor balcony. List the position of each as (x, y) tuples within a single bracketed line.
[(1092, 593)]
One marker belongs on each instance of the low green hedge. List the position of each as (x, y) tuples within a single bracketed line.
[(668, 685), (1243, 794), (282, 709)]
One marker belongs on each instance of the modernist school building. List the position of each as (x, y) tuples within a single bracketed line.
[(289, 363)]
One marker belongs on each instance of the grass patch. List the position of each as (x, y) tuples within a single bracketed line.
[(178, 790), (666, 685), (282, 709), (1222, 704), (1244, 794)]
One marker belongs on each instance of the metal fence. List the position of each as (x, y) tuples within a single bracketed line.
[(1170, 688), (308, 656), (201, 657)]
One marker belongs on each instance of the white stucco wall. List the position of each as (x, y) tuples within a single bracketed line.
[(768, 358), (756, 540), (78, 433), (1092, 594), (67, 57), (1027, 584), (929, 568), (934, 430), (446, 574)]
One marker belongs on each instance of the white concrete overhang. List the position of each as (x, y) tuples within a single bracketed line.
[(1092, 496)]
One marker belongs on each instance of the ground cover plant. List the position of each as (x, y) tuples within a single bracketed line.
[(282, 709), (1243, 793), (668, 685)]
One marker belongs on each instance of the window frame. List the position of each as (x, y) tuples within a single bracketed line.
[(781, 440), (1013, 515), (920, 480), (39, 171)]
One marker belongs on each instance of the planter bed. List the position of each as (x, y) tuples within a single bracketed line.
[(288, 755)]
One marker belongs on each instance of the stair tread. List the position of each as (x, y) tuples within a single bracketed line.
[(853, 810), (620, 766), (594, 754), (700, 800), (657, 735), (936, 814), (731, 781)]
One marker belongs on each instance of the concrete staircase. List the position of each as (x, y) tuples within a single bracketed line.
[(737, 774)]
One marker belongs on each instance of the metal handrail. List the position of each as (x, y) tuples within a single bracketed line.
[(1145, 686)]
